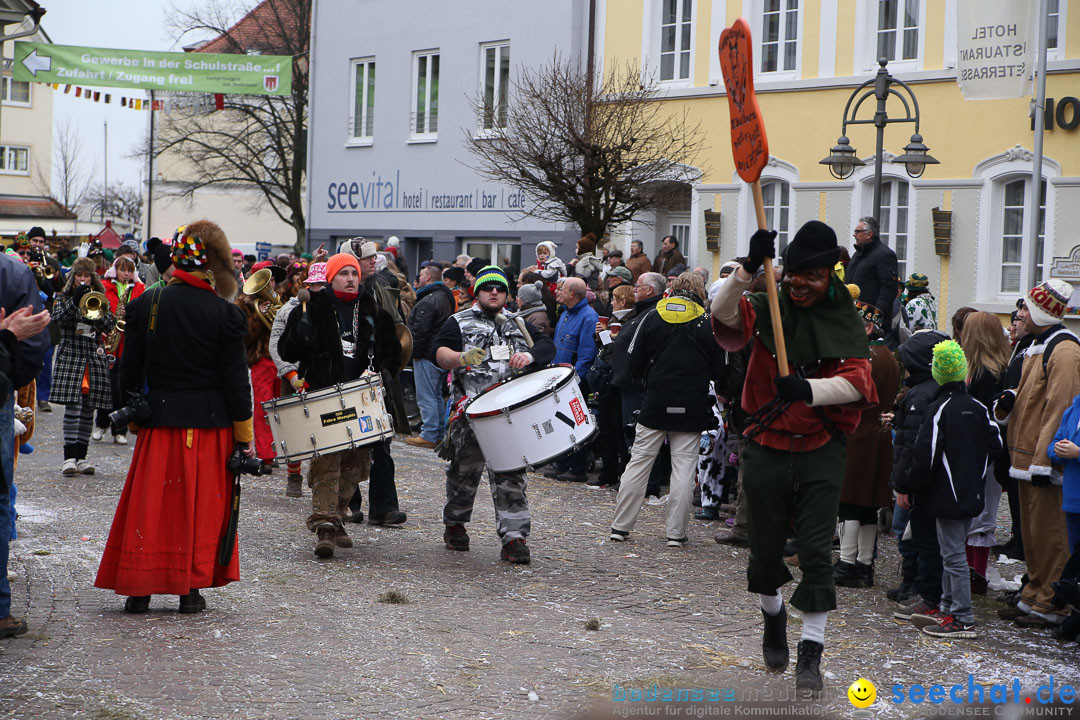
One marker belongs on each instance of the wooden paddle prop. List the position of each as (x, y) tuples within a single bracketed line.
[(750, 147)]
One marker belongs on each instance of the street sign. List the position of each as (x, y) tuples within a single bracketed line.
[(149, 70), (262, 250), (748, 143)]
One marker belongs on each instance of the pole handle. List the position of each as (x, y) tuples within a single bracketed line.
[(770, 285)]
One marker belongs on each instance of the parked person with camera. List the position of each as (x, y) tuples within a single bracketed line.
[(185, 344), (81, 377)]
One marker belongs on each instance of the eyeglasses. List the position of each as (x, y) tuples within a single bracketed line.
[(494, 287), (859, 232)]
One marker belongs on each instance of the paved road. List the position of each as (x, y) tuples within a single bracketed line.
[(299, 637)]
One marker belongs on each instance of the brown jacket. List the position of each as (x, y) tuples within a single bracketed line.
[(663, 262), (1041, 399), (638, 264)]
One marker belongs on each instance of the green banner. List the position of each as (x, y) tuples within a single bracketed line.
[(149, 70)]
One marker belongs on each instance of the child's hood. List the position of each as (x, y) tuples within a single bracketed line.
[(548, 245)]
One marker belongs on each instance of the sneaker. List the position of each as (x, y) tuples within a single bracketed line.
[(97, 433), (919, 606), (394, 517), (120, 439), (677, 542), (85, 468), (516, 551), (619, 535), (342, 539), (324, 547), (44, 406), (70, 467), (708, 514), (932, 616), (950, 627), (654, 500), (417, 441), (456, 538)]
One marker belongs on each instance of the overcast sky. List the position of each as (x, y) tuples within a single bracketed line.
[(134, 24)]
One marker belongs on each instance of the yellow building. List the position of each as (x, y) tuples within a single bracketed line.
[(809, 55)]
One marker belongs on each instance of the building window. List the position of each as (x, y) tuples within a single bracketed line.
[(495, 65), (1013, 230), (776, 195), (15, 92), (779, 35), (894, 226), (425, 109), (494, 252), (681, 232), (898, 30), (676, 22), (362, 122), (14, 160)]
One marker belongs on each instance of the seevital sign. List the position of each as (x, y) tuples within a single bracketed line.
[(150, 70)]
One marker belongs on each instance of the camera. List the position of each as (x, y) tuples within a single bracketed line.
[(137, 411), (240, 464)]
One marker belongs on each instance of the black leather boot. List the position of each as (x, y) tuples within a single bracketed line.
[(808, 666), (774, 645), (865, 574)]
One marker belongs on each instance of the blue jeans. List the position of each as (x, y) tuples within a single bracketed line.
[(955, 578), (7, 470), (429, 379), (44, 379)]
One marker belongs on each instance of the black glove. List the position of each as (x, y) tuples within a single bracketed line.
[(1040, 481), (1005, 401), (793, 389), (762, 245), (78, 292)]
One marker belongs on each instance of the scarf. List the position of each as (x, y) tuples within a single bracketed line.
[(183, 276), (345, 297), (830, 329)]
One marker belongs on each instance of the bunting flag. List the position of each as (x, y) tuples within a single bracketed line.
[(123, 102), (108, 98), (97, 96), (67, 89), (56, 86), (139, 103), (78, 92), (219, 101)]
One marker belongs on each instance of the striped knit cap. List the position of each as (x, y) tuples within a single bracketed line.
[(950, 364), (490, 274)]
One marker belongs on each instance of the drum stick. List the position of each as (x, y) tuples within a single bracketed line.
[(303, 296), (770, 286)]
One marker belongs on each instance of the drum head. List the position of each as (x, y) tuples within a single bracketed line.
[(512, 393)]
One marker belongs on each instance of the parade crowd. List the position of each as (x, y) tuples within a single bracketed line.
[(880, 427)]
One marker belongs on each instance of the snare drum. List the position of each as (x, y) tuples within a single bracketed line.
[(531, 420), (329, 420)]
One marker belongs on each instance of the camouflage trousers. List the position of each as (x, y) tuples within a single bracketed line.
[(512, 519), (333, 479)]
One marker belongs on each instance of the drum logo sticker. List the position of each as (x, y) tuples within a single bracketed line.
[(579, 414), (365, 423), (536, 429), (338, 416)]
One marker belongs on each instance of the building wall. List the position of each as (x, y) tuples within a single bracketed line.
[(28, 126), (243, 214), (980, 144), (395, 184)]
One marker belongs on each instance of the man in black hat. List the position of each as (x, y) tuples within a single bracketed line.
[(794, 455)]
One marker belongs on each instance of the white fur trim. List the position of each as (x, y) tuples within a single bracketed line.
[(1018, 474)]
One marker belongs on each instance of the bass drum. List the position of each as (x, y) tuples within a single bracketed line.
[(531, 420)]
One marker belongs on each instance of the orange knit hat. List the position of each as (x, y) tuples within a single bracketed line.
[(336, 262)]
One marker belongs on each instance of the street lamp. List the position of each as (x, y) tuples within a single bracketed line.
[(842, 160)]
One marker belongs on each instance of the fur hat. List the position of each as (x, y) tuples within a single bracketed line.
[(813, 246), (949, 364), (218, 255), (586, 244), (529, 295), (83, 265), (1047, 301)]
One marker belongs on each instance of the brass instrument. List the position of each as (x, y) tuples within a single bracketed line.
[(49, 272), (93, 306), (112, 339), (260, 287)]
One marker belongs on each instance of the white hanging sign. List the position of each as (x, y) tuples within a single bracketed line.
[(995, 48)]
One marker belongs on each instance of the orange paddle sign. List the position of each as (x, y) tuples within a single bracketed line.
[(748, 143)]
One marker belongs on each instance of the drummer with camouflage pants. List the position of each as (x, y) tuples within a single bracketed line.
[(482, 348)]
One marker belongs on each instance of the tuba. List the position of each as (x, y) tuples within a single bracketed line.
[(260, 288), (93, 306)]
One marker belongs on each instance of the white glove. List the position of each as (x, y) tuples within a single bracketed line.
[(84, 249)]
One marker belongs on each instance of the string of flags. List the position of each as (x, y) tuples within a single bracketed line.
[(126, 102)]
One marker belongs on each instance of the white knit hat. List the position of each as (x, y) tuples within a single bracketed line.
[(1047, 301)]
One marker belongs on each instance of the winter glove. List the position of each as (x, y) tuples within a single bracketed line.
[(1040, 481), (79, 291), (793, 389), (1004, 402), (472, 357), (762, 245)]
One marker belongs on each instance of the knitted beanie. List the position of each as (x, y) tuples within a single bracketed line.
[(529, 295), (337, 262), (488, 275), (1047, 301), (949, 364)]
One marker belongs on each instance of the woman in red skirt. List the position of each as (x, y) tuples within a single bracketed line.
[(184, 347)]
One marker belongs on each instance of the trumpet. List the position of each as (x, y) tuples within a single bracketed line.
[(260, 287), (93, 306), (48, 272)]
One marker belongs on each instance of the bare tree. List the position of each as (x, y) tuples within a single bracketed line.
[(70, 181), (590, 152), (119, 200), (252, 141)]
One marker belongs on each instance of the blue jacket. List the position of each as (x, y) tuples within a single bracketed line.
[(1069, 430), (574, 342), (17, 290)]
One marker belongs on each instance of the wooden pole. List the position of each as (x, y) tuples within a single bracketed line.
[(770, 285)]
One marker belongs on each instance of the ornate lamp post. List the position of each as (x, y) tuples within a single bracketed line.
[(842, 160)]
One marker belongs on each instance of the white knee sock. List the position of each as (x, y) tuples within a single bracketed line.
[(867, 538), (849, 540), (813, 626), (772, 604)]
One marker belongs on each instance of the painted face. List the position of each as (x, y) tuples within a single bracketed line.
[(347, 280), (124, 274), (806, 288), (542, 254)]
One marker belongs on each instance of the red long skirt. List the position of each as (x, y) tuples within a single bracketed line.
[(172, 513), (265, 385)]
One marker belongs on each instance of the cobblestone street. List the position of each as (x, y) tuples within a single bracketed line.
[(478, 638)]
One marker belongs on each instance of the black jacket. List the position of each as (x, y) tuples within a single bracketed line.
[(317, 349), (194, 361), (17, 290), (676, 355), (620, 352), (873, 269), (434, 304), (956, 444), (915, 355)]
